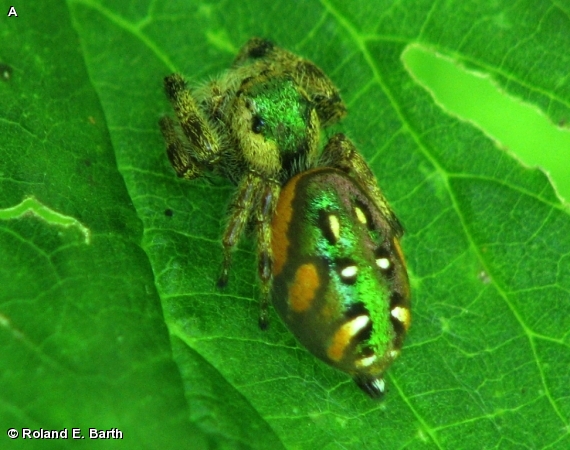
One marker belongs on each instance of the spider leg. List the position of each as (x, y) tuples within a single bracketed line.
[(263, 218), (241, 210), (340, 152), (183, 163), (204, 142), (255, 49)]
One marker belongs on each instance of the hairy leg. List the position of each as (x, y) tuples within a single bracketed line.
[(204, 149), (341, 153)]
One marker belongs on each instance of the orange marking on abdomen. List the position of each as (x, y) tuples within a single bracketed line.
[(342, 338), (280, 225), (304, 287)]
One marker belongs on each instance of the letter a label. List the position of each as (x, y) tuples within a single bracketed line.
[(12, 12)]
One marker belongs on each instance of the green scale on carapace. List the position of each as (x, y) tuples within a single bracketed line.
[(282, 114), (340, 281)]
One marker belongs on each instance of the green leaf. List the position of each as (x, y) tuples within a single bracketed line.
[(109, 317)]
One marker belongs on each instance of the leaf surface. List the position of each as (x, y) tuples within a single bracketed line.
[(109, 316)]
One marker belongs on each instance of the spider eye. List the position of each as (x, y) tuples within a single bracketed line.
[(318, 98), (257, 124)]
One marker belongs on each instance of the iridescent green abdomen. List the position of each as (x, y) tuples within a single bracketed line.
[(340, 281)]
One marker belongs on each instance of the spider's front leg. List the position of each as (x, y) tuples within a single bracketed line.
[(204, 149), (340, 152)]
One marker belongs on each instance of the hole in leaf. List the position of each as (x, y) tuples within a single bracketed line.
[(520, 127)]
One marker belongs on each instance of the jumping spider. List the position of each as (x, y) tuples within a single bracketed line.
[(258, 125)]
